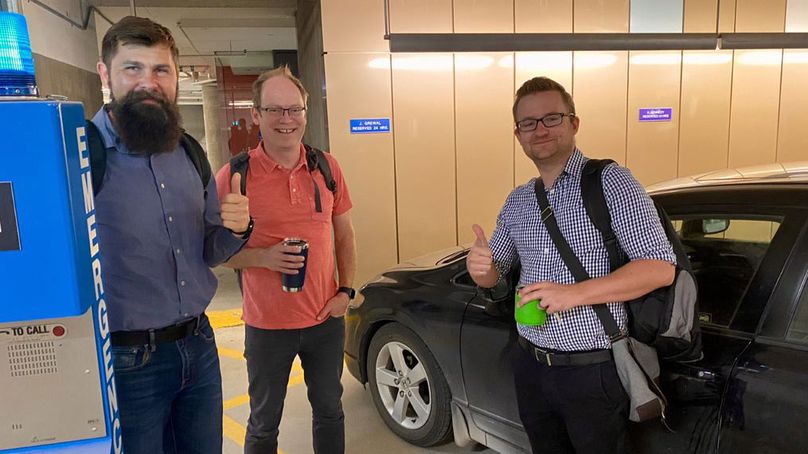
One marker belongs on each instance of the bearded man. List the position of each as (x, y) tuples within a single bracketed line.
[(161, 229)]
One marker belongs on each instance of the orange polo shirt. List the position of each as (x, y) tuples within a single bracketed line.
[(282, 206)]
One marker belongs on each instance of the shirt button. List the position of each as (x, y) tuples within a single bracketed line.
[(162, 185), (182, 283), (170, 219), (178, 251), (546, 250), (294, 190)]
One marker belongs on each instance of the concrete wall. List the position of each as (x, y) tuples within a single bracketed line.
[(65, 55)]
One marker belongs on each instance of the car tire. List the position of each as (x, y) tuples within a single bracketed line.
[(408, 387)]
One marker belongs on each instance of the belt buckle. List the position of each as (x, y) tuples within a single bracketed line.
[(538, 353)]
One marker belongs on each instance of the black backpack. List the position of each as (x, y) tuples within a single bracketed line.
[(315, 160), (98, 156), (667, 318)]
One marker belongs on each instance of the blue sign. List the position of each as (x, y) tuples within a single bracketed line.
[(656, 114), (370, 125)]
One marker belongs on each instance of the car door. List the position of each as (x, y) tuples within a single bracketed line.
[(767, 403), (736, 270), (487, 339)]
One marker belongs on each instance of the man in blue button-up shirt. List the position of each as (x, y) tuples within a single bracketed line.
[(160, 228), (576, 402)]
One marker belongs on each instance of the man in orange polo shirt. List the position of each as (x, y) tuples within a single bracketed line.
[(281, 325)]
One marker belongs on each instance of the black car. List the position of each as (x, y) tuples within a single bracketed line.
[(434, 348)]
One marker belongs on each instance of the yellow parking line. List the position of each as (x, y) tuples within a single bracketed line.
[(237, 401), (233, 430), (230, 353), (225, 319)]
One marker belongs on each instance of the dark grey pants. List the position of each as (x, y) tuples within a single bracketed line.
[(270, 353)]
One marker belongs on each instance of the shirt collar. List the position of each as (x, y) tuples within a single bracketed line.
[(575, 163), (270, 163)]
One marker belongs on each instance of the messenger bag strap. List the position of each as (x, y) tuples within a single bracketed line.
[(571, 260)]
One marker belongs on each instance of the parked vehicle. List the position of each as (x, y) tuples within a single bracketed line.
[(434, 349)]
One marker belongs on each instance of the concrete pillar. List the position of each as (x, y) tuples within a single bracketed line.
[(312, 70), (210, 111)]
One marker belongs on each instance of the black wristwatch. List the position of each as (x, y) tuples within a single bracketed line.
[(246, 234), (348, 291)]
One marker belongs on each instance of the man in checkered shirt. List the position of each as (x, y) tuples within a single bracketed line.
[(569, 395)]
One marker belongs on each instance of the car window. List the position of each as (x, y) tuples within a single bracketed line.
[(798, 331), (725, 252)]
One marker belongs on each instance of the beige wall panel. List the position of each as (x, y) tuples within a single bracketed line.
[(556, 66), (423, 102), (699, 16), (594, 16), (792, 143), (543, 16), (652, 146), (420, 16), (483, 16), (600, 82), (704, 113), (484, 135), (353, 26), (755, 107), (760, 15), (359, 87)]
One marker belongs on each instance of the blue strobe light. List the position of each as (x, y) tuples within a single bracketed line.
[(16, 60)]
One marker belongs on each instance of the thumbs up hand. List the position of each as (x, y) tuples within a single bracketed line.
[(235, 207), (480, 262)]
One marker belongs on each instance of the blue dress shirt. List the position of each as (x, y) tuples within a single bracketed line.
[(159, 235)]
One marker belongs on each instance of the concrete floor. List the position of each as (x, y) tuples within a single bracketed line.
[(364, 430)]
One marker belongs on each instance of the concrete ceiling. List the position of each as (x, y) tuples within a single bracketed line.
[(240, 33)]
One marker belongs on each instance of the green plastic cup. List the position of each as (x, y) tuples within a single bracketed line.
[(529, 314)]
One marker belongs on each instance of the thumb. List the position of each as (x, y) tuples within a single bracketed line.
[(480, 234), (235, 184)]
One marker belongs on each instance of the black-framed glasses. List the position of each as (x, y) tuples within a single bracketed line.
[(295, 111), (549, 121)]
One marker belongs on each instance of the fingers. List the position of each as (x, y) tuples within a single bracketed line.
[(235, 184)]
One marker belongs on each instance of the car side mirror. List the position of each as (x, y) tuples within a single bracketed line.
[(712, 226)]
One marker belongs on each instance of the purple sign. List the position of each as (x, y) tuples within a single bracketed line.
[(656, 114)]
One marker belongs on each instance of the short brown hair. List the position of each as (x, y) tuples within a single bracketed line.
[(540, 84), (283, 71), (139, 31)]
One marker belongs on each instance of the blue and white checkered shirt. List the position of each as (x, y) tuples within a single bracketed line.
[(521, 234)]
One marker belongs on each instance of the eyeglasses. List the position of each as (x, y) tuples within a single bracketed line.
[(273, 111), (549, 121)]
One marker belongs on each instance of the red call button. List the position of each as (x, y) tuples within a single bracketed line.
[(58, 330)]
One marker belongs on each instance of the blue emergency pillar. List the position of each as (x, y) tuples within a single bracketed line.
[(57, 387)]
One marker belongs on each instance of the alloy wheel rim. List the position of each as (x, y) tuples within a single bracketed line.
[(403, 386)]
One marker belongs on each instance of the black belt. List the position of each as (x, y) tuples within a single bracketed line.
[(565, 358), (154, 337)]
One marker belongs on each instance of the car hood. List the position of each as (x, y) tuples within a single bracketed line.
[(431, 259)]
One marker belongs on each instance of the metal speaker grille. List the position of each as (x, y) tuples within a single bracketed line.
[(27, 359)]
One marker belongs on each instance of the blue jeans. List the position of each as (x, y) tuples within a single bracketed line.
[(270, 353), (170, 399)]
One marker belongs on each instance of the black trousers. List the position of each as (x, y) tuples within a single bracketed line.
[(270, 354), (571, 409)]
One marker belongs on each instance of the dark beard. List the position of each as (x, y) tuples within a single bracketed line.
[(146, 128)]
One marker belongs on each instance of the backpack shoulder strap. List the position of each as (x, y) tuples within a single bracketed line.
[(239, 165), (315, 158), (597, 209), (98, 154), (197, 155)]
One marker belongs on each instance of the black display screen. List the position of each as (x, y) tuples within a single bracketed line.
[(9, 233)]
